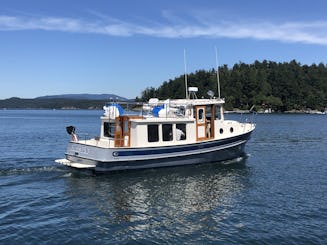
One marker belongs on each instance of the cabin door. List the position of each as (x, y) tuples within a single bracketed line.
[(122, 132), (126, 132), (205, 122), (200, 123)]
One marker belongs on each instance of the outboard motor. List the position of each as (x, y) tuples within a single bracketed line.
[(70, 130)]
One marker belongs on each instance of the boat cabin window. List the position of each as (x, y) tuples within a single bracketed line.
[(109, 129), (126, 126), (208, 112), (181, 131), (200, 115), (153, 133), (218, 115), (167, 132)]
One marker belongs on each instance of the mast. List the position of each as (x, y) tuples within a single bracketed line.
[(218, 83), (185, 75)]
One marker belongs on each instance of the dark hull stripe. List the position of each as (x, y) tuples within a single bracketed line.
[(177, 149)]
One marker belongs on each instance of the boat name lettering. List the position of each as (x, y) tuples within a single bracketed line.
[(80, 149)]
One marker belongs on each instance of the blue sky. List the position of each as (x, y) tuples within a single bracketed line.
[(104, 46)]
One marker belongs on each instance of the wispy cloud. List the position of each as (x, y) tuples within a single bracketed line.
[(295, 32)]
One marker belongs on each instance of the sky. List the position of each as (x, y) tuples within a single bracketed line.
[(122, 47)]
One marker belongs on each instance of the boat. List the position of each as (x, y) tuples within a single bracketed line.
[(161, 133)]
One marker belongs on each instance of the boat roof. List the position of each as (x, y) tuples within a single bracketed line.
[(194, 102), (170, 108), (178, 102)]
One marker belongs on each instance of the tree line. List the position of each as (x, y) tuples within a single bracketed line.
[(267, 84)]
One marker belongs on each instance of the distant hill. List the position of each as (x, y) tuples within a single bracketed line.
[(84, 97), (64, 101)]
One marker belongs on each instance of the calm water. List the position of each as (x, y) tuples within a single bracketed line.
[(278, 195)]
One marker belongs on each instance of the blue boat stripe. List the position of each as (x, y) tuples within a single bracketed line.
[(166, 150)]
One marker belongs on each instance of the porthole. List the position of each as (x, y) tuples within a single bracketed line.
[(231, 129), (221, 131)]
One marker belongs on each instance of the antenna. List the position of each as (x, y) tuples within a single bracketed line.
[(218, 83), (185, 75)]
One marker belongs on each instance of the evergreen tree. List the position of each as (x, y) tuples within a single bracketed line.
[(266, 84)]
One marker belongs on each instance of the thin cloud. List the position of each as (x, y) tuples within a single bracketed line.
[(295, 32)]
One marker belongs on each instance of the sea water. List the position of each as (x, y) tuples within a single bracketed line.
[(277, 195)]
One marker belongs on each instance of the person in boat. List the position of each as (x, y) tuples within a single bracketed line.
[(208, 129), (179, 134)]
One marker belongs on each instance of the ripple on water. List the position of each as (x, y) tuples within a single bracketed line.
[(275, 196)]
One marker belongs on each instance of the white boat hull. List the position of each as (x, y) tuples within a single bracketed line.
[(115, 159)]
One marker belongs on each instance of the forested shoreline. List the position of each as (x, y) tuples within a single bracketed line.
[(280, 87), (287, 86)]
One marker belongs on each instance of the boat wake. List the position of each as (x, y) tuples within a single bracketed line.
[(40, 169), (21, 166), (236, 160)]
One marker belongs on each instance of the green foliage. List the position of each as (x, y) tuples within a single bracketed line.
[(280, 86)]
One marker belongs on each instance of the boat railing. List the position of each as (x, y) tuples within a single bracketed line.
[(83, 137), (251, 120), (158, 108), (246, 118), (166, 109)]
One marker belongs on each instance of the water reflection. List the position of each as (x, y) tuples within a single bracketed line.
[(159, 202)]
